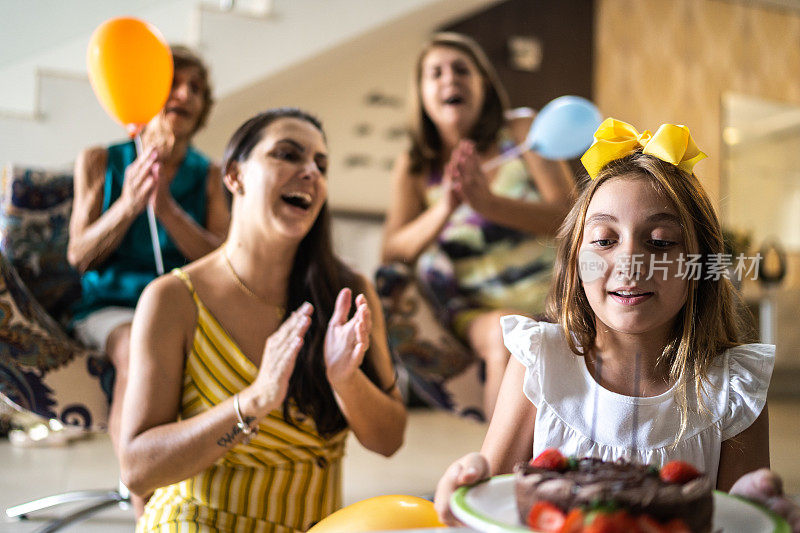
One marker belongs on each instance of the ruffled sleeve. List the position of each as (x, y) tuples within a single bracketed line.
[(523, 338), (749, 371)]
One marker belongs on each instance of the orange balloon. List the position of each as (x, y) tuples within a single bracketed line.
[(130, 68), (380, 513)]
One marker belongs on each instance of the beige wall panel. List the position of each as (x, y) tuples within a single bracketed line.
[(671, 60)]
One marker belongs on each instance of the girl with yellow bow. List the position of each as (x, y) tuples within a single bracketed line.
[(641, 361)]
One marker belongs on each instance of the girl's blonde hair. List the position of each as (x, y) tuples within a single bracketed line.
[(712, 318), (426, 145)]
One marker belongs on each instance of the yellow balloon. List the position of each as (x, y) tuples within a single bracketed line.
[(130, 68), (380, 513)]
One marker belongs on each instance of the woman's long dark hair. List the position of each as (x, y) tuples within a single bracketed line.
[(317, 276)]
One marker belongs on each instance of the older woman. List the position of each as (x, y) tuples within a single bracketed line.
[(236, 413), (110, 240)]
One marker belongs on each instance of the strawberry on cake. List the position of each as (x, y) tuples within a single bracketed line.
[(559, 494)]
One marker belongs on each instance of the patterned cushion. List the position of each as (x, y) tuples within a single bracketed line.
[(34, 231), (440, 370), (42, 370)]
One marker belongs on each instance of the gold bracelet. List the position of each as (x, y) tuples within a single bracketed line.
[(247, 431)]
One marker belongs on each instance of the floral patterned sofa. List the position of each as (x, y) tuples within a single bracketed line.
[(42, 369), (434, 367)]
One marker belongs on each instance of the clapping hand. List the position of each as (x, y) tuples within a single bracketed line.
[(161, 196), (470, 181), (451, 194), (141, 179), (159, 134), (280, 355), (347, 341)]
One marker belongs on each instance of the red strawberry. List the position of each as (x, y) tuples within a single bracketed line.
[(618, 522), (550, 459), (676, 525), (648, 524), (573, 522), (678, 472), (602, 523), (546, 517)]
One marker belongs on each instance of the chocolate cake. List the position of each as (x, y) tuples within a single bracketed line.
[(591, 484)]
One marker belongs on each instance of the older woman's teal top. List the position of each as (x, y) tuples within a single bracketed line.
[(123, 276)]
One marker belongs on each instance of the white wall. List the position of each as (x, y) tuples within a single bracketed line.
[(324, 55), (333, 86), (357, 242), (28, 27), (52, 39)]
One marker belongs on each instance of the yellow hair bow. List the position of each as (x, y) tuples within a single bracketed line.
[(615, 139)]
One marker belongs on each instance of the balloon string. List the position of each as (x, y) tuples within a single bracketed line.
[(151, 217), (508, 155)]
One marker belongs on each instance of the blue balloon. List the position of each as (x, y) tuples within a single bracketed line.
[(564, 128)]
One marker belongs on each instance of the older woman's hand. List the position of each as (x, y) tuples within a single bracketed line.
[(162, 199), (140, 181), (766, 488), (347, 341), (278, 360)]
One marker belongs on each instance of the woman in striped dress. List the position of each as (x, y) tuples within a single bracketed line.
[(236, 413)]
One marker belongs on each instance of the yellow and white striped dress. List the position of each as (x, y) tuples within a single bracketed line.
[(285, 479)]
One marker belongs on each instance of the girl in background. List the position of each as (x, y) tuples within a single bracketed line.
[(489, 231)]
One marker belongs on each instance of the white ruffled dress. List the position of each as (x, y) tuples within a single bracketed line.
[(581, 418)]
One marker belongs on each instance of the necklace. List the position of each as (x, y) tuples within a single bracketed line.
[(279, 309)]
